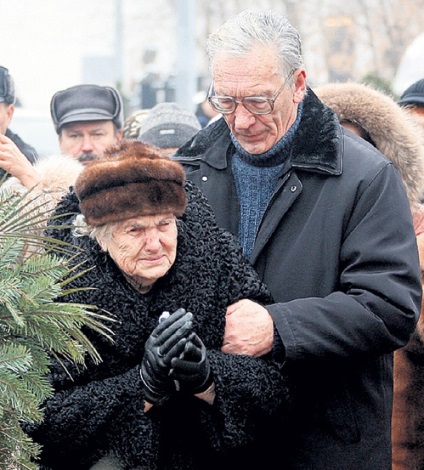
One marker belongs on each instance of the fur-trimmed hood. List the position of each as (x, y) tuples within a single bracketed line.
[(391, 129)]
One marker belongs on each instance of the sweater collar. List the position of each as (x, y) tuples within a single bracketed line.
[(277, 154)]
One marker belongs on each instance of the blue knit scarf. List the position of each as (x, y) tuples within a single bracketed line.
[(256, 178)]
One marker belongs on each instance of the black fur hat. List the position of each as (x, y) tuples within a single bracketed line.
[(130, 179)]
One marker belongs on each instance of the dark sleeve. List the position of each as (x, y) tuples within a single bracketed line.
[(376, 306), (29, 151), (250, 394)]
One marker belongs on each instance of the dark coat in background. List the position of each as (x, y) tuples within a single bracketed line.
[(101, 410), (336, 247)]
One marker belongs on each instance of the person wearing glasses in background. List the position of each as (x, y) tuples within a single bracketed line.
[(325, 220)]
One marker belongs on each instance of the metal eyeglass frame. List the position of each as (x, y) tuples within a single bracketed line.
[(246, 100)]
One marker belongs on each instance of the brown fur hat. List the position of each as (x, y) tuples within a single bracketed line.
[(389, 127), (130, 179)]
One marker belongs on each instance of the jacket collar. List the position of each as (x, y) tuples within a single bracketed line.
[(316, 146)]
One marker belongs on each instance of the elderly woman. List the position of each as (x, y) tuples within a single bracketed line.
[(165, 396)]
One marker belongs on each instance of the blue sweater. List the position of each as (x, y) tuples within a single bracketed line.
[(255, 178)]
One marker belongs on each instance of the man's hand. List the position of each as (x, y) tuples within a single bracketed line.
[(14, 162), (249, 329)]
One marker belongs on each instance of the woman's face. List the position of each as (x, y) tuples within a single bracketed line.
[(144, 247)]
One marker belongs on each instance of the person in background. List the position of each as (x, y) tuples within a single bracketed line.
[(10, 143), (87, 118), (164, 396), (325, 220), (168, 126), (205, 112), (412, 99)]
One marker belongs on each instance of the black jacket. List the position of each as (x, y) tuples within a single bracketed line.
[(336, 247), (102, 408)]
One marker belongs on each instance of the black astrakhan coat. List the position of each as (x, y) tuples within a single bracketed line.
[(337, 249), (101, 409)]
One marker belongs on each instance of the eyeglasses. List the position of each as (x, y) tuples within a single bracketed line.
[(254, 104)]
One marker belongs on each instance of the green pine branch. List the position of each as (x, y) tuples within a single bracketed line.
[(34, 322)]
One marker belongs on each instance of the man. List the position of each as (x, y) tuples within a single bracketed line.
[(87, 118), (7, 108), (325, 220), (412, 100)]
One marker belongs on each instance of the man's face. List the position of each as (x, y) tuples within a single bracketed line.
[(6, 114), (87, 140), (258, 74)]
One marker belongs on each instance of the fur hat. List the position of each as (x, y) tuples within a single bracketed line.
[(86, 103), (392, 131), (167, 125), (130, 179)]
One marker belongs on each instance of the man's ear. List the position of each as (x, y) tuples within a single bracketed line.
[(299, 85), (119, 135), (9, 114)]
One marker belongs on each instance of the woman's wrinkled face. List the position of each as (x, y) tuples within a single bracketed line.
[(144, 247)]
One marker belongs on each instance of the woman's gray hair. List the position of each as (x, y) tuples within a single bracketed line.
[(251, 27), (82, 229)]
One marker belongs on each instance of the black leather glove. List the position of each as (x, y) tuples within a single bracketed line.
[(166, 341), (191, 369)]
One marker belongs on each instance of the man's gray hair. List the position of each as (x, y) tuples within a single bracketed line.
[(251, 27)]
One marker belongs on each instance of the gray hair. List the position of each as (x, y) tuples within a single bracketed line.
[(251, 27), (101, 232)]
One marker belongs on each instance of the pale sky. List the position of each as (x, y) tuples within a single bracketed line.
[(42, 43)]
